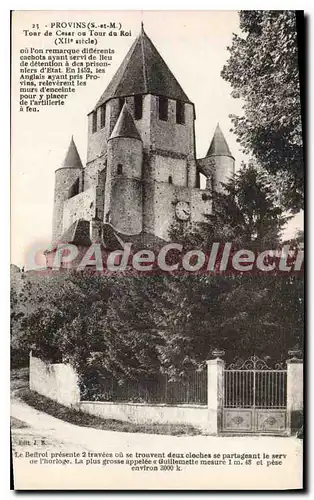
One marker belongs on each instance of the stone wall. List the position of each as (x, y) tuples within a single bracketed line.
[(127, 152), (126, 206), (201, 205), (97, 141), (159, 211), (143, 125), (160, 199), (169, 135), (123, 191), (93, 171), (162, 167), (295, 393), (223, 171), (81, 206), (142, 413), (64, 179), (57, 381)]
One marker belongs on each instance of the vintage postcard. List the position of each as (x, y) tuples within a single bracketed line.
[(157, 292)]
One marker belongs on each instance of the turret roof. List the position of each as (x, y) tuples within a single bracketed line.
[(219, 146), (143, 71), (72, 158), (79, 234), (125, 126)]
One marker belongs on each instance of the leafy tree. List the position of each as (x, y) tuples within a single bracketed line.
[(67, 304), (245, 313), (246, 214), (263, 71), (137, 327), (97, 322)]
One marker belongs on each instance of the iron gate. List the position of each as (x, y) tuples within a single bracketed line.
[(255, 398)]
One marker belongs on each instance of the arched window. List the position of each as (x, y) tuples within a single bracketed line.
[(170, 179), (119, 169)]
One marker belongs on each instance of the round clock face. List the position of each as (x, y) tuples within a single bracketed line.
[(183, 210)]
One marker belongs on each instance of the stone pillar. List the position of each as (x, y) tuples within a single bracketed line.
[(295, 391), (215, 394)]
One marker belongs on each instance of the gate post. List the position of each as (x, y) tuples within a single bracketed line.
[(215, 393), (295, 391)]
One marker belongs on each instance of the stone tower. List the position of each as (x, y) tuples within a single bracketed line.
[(124, 189), (142, 174), (68, 183), (221, 159), (218, 164)]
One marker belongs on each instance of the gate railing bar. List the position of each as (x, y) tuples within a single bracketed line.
[(255, 388), (261, 371)]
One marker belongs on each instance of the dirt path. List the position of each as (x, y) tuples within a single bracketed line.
[(41, 424), (33, 430)]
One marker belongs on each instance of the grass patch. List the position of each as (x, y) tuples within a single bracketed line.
[(17, 424), (19, 378), (82, 419)]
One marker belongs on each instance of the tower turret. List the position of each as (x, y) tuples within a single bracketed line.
[(221, 160), (123, 190), (163, 114), (68, 183)]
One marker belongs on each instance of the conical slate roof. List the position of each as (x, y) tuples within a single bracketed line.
[(219, 146), (125, 126), (72, 158), (143, 71)]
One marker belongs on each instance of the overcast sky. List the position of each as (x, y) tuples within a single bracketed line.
[(193, 44)]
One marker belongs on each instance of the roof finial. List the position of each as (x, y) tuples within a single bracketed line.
[(142, 27)]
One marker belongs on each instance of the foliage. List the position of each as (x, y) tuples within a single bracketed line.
[(263, 71), (246, 214), (136, 327), (260, 312)]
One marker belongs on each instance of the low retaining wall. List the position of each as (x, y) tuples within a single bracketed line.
[(142, 413), (57, 381)]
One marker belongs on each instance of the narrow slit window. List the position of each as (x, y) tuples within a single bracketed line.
[(121, 103), (180, 112), (138, 107), (163, 108), (94, 126), (103, 115), (119, 169), (170, 179), (74, 189)]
